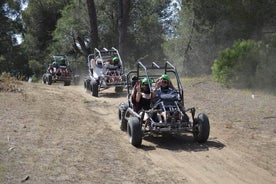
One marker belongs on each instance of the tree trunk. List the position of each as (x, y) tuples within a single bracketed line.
[(93, 24), (83, 46), (124, 10)]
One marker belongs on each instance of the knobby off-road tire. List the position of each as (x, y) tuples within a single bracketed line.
[(49, 79), (94, 89), (201, 128), (119, 89), (67, 83), (44, 78), (121, 113), (134, 131), (86, 85)]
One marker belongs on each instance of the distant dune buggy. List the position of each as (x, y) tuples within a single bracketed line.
[(106, 70), (59, 71), (178, 119)]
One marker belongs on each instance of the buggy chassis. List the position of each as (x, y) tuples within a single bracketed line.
[(177, 122), (106, 76), (60, 73)]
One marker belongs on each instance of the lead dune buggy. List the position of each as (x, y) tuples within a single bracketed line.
[(106, 70), (59, 71), (179, 119)]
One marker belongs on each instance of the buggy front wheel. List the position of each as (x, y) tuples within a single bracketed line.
[(134, 131), (201, 128)]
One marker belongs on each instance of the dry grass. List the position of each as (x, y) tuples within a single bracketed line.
[(9, 84)]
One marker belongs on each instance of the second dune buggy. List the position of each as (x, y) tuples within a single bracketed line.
[(106, 70)]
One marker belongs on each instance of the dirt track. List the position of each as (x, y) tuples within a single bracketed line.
[(57, 134)]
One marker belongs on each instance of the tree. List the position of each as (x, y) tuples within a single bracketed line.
[(206, 27), (124, 10), (40, 20), (121, 24), (93, 23), (11, 56)]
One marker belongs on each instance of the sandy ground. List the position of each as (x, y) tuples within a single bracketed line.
[(57, 134)]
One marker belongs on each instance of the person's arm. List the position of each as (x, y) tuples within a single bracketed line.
[(157, 86), (138, 92)]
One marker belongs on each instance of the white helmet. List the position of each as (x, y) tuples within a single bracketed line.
[(99, 62)]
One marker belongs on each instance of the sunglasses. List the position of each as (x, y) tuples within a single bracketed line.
[(164, 81)]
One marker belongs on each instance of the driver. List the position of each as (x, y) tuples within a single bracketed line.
[(163, 86), (115, 61)]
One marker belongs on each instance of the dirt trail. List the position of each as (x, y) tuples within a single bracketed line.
[(57, 134)]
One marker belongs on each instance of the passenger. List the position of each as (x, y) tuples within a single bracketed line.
[(55, 67), (116, 61), (99, 63), (142, 98), (62, 62)]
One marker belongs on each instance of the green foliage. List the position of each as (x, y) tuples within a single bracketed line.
[(40, 19), (35, 79), (144, 31), (11, 25), (246, 65), (72, 23), (35, 66), (206, 27)]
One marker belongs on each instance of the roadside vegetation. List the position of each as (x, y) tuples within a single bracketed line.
[(233, 41)]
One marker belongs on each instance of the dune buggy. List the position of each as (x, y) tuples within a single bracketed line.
[(106, 69), (179, 119), (59, 71)]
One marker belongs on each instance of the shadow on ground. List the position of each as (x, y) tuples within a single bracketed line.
[(112, 94), (181, 143)]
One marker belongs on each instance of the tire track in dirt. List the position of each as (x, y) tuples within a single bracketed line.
[(215, 162), (64, 135)]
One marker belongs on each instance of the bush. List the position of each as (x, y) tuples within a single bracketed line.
[(246, 65)]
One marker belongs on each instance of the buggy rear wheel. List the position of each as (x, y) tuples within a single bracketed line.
[(94, 89), (121, 113), (49, 79), (67, 83), (44, 78), (134, 131), (119, 89), (201, 128)]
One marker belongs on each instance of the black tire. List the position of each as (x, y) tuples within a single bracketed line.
[(44, 78), (119, 89), (49, 80), (94, 89), (86, 85), (201, 129), (121, 113), (67, 83), (134, 131)]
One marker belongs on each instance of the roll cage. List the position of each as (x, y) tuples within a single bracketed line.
[(105, 54), (152, 73)]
